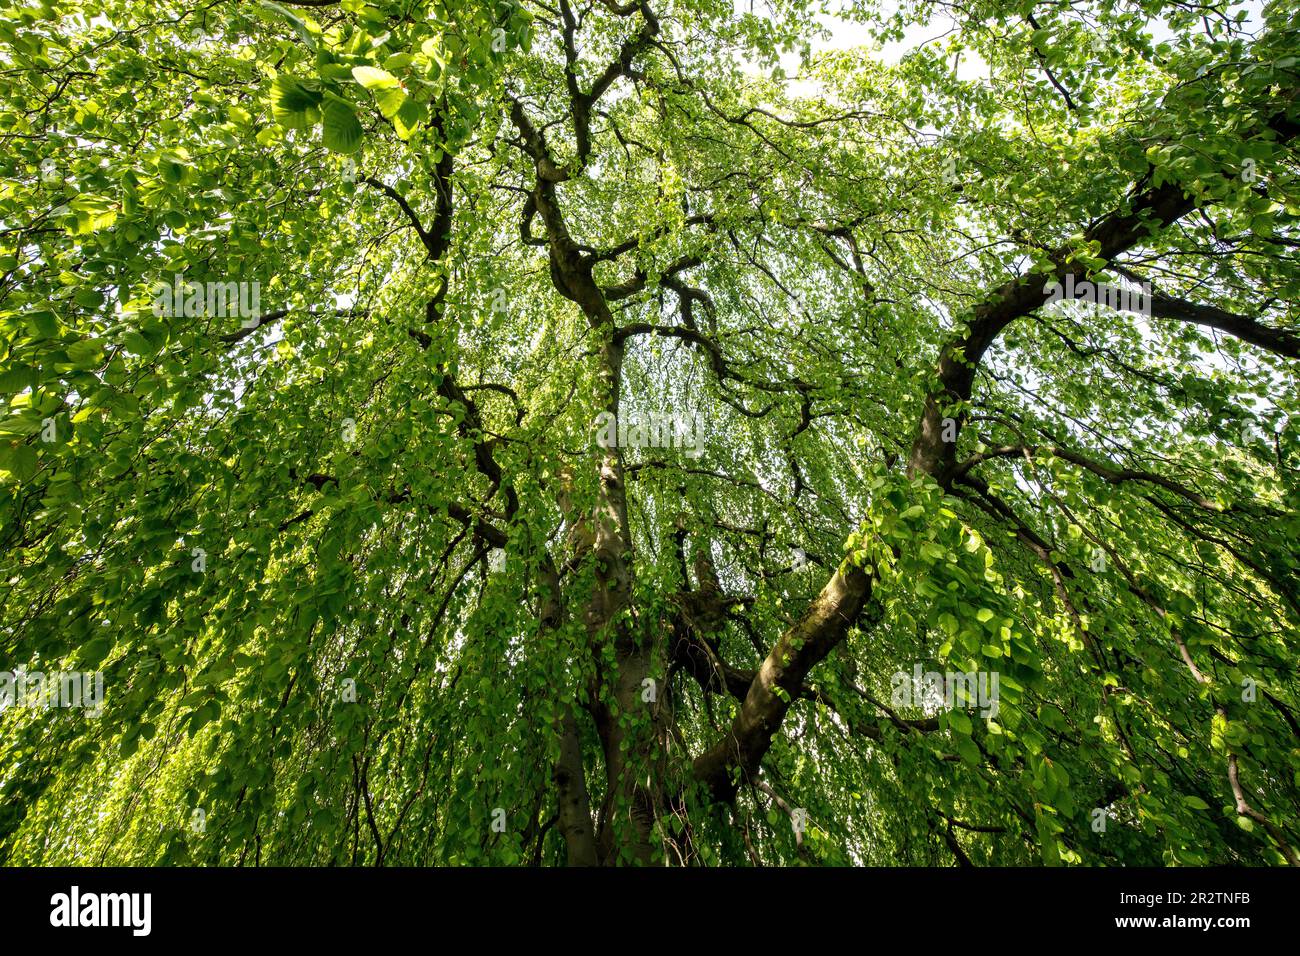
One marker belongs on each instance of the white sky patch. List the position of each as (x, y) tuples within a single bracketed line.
[(843, 34)]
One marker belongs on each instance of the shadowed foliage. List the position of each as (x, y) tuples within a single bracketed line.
[(561, 431)]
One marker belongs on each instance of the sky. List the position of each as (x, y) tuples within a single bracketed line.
[(845, 34)]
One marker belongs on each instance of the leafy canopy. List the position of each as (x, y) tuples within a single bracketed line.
[(363, 585)]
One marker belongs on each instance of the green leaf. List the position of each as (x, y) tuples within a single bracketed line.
[(43, 324), (18, 462), (15, 379), (960, 722), (409, 117), (341, 129), (294, 103), (390, 102), (85, 353), (375, 79)]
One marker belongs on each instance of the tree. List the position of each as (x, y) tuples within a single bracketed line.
[(541, 432)]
